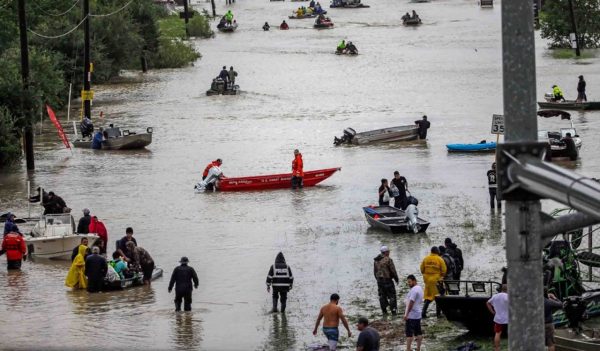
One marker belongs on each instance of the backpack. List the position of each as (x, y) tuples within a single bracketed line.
[(450, 264)]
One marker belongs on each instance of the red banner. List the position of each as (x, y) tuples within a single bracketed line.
[(59, 128)]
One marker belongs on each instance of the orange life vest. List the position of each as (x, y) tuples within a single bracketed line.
[(298, 166), (208, 167), (14, 245)]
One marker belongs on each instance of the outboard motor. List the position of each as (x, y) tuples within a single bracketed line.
[(575, 308), (549, 97), (208, 184), (349, 134), (411, 218)]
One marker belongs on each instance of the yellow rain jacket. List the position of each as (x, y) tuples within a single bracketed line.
[(76, 277), (433, 269)]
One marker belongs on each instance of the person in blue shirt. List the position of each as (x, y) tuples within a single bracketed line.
[(97, 141), (9, 225), (118, 264)]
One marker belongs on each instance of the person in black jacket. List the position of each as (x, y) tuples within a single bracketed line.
[(457, 255), (182, 278), (96, 268), (281, 278), (423, 125), (581, 97), (84, 241), (84, 222)]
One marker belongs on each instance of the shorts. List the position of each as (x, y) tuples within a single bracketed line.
[(413, 328), (332, 333), (499, 328), (549, 334)]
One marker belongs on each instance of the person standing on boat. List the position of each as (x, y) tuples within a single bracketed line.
[(493, 187), (224, 75), (14, 246), (232, 75), (182, 278), (498, 306), (384, 193), (216, 163), (423, 125), (311, 4), (281, 278), (83, 227), (581, 97), (96, 268), (297, 170), (557, 93), (398, 190), (229, 17), (97, 227), (54, 205), (433, 269), (10, 225), (122, 246), (385, 274)]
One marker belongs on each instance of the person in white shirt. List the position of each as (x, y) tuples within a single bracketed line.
[(412, 314), (498, 306)]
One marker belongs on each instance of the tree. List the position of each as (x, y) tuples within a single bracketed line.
[(555, 23)]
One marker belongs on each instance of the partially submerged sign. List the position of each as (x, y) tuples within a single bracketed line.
[(498, 124)]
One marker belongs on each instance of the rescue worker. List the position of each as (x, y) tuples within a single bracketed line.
[(96, 268), (581, 97), (281, 278), (433, 269), (14, 246), (229, 17), (224, 75), (423, 125), (297, 170), (266, 26), (557, 93), (232, 75), (10, 225), (284, 26), (385, 274), (182, 278), (216, 163), (54, 205), (493, 187), (97, 227), (341, 46), (83, 227)]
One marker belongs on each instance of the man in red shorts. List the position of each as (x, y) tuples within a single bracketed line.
[(498, 306)]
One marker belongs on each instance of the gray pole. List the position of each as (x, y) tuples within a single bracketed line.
[(523, 240), (28, 135)]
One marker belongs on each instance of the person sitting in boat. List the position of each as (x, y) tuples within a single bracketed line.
[(222, 23), (86, 127), (406, 17), (321, 19), (557, 93), (284, 26), (300, 11), (266, 26), (351, 48), (119, 265), (341, 47), (229, 17)]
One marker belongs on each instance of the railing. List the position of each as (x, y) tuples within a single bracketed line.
[(453, 287)]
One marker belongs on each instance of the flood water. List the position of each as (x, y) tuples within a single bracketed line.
[(296, 94)]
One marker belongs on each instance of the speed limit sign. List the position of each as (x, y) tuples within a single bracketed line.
[(498, 124)]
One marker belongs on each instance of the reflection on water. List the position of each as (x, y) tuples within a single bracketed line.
[(186, 331), (281, 338)]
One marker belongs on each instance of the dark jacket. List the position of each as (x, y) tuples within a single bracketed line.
[(423, 126), (549, 307), (182, 278), (456, 254), (384, 269), (84, 224), (54, 205), (401, 184), (121, 246), (581, 86), (224, 75), (10, 227), (76, 252), (95, 270), (280, 275)]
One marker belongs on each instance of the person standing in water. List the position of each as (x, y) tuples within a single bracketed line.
[(493, 187), (281, 278), (331, 314), (182, 278), (423, 125)]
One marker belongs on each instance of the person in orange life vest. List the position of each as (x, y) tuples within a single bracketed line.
[(97, 227), (218, 162), (16, 250), (297, 170)]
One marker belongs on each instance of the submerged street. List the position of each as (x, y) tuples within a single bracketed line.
[(295, 94)]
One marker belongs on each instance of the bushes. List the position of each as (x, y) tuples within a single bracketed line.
[(173, 53), (10, 148), (199, 26)]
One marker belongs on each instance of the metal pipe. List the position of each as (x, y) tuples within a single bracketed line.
[(566, 223), (523, 242)]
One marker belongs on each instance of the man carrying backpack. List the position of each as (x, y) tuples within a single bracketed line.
[(456, 254)]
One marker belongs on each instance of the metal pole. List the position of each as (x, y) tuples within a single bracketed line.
[(28, 197), (590, 245), (214, 10), (87, 103), (523, 242), (28, 135), (185, 13), (69, 103), (574, 28)]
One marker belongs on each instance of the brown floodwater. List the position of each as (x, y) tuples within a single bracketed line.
[(295, 94)]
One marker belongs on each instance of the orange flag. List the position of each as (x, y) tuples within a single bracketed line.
[(59, 128)]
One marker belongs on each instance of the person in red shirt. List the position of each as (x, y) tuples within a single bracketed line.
[(297, 170), (97, 227), (16, 250), (218, 162)]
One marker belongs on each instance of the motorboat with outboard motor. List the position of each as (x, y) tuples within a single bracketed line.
[(395, 220), (562, 144), (54, 237), (113, 281), (384, 135), (113, 138), (348, 4), (323, 23), (218, 88), (550, 103), (349, 50)]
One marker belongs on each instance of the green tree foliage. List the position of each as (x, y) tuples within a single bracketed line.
[(10, 149), (555, 22), (175, 53)]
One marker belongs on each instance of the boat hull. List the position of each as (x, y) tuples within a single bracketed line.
[(396, 223), (484, 147), (323, 26), (234, 91), (58, 247), (275, 181), (126, 142), (570, 105), (386, 135), (131, 282), (228, 29), (411, 22), (350, 6), (568, 340)]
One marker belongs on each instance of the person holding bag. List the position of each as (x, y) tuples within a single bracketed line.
[(384, 193)]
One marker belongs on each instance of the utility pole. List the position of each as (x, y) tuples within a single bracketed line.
[(25, 110), (186, 15), (214, 10), (86, 94), (574, 28)]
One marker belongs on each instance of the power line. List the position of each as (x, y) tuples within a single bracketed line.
[(60, 35), (114, 12), (53, 14)]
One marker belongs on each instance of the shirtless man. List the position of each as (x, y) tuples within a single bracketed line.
[(332, 314)]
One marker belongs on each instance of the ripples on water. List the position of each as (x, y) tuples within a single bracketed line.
[(295, 94)]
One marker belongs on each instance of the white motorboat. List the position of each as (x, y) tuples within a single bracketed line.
[(385, 135), (54, 237)]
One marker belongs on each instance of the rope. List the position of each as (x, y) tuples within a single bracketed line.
[(52, 14), (60, 35), (114, 12)]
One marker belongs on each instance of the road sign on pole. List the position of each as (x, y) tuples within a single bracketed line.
[(498, 124)]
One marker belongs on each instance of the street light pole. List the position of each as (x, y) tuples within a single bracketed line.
[(25, 110)]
